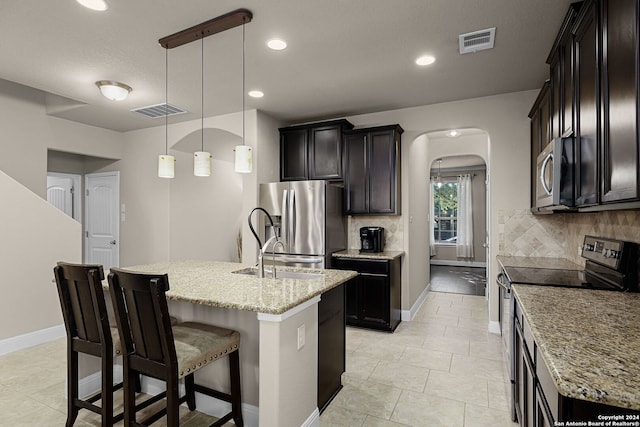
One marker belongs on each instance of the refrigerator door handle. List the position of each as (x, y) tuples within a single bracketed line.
[(292, 218), (284, 231)]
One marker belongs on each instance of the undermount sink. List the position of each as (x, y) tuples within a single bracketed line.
[(280, 274)]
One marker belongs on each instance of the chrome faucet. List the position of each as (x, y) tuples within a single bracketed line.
[(273, 240)]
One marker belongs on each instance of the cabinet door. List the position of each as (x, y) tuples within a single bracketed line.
[(620, 100), (519, 390), (556, 97), (325, 152), (587, 109), (375, 300), (331, 344), (352, 304), (382, 172), (566, 63), (529, 392), (356, 180), (293, 155), (543, 418)]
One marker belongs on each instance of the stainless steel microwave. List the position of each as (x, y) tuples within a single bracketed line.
[(555, 175)]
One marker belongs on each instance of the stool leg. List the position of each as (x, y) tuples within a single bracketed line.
[(190, 392), (72, 386), (129, 396), (107, 388), (236, 397), (173, 402)]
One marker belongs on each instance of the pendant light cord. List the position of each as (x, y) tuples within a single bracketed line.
[(243, 80), (202, 97), (166, 101)]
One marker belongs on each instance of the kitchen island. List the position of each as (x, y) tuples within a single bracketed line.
[(583, 348), (279, 345)]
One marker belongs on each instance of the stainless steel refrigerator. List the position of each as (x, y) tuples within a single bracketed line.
[(308, 219)]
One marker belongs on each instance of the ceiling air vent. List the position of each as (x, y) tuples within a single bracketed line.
[(477, 40), (159, 110)]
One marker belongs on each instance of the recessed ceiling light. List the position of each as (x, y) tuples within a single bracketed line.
[(256, 93), (277, 44), (426, 60), (453, 133), (99, 5)]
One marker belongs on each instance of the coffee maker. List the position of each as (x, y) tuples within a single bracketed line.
[(371, 239)]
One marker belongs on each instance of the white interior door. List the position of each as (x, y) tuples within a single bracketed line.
[(102, 226), (63, 192)]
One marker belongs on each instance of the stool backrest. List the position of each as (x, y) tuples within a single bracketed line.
[(143, 317), (82, 301)]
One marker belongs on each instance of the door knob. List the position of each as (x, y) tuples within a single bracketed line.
[(113, 242)]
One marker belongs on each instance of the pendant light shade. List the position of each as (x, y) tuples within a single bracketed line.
[(202, 159), (201, 163), (244, 159), (244, 155), (166, 166), (166, 163)]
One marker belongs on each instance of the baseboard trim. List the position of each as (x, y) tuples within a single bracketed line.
[(408, 315), (41, 336), (313, 420), (458, 263), (494, 327)]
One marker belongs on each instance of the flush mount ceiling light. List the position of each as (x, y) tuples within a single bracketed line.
[(99, 5), (114, 91), (256, 93), (277, 44), (454, 133), (425, 60)]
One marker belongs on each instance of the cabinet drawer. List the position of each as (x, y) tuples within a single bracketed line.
[(362, 266)]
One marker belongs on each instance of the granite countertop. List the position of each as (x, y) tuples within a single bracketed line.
[(213, 283), (590, 342), (355, 253), (536, 262)]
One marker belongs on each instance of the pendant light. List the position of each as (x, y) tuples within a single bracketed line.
[(244, 156), (438, 180), (166, 163), (202, 159)]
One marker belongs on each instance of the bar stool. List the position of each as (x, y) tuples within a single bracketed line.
[(87, 326), (154, 348)]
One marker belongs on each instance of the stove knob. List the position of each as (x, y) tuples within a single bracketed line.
[(614, 254), (606, 253)]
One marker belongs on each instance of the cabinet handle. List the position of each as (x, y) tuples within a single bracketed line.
[(543, 169)]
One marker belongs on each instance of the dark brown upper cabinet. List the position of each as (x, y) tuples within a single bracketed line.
[(312, 151), (619, 101), (540, 132), (560, 62), (587, 106), (372, 178)]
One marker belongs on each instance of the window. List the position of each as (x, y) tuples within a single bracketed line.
[(445, 206)]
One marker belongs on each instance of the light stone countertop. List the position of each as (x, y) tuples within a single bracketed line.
[(213, 283), (355, 253), (536, 262), (589, 340)]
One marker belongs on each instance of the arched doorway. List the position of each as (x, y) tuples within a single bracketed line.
[(458, 225)]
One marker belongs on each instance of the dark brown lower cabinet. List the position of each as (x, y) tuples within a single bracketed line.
[(536, 399), (373, 297), (331, 345)]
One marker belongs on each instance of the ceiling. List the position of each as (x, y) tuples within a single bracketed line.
[(344, 57)]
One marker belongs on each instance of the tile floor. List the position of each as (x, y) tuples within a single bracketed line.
[(458, 280), (441, 369)]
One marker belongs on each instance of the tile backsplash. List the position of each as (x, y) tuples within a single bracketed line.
[(393, 230), (520, 233)]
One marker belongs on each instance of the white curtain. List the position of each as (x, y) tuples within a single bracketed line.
[(464, 245), (432, 220)]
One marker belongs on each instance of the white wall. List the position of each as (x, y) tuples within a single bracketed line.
[(504, 119)]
